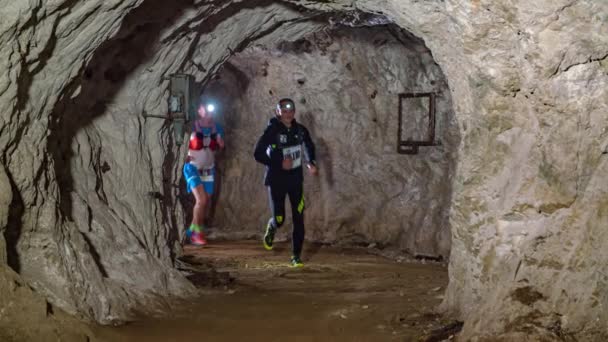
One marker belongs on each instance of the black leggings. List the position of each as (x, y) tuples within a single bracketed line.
[(277, 195)]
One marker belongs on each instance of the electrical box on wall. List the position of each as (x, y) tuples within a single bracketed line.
[(181, 104)]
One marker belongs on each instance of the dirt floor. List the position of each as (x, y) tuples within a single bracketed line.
[(339, 295)]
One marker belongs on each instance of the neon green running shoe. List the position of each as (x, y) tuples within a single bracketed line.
[(269, 236), (296, 262)]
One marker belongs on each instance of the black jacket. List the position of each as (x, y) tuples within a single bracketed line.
[(278, 140)]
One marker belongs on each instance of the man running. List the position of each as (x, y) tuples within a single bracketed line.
[(199, 170), (280, 149)]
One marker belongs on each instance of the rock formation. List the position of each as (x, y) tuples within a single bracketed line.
[(89, 205)]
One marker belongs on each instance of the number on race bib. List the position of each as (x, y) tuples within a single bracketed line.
[(295, 154)]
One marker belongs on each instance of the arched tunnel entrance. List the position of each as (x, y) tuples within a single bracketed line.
[(95, 224), (347, 84)]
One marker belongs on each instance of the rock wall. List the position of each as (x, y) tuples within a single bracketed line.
[(345, 83), (90, 210), (528, 83), (529, 92), (28, 316)]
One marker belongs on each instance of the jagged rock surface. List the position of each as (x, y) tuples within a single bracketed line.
[(27, 316), (528, 210)]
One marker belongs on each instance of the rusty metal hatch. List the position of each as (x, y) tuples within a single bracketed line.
[(416, 122)]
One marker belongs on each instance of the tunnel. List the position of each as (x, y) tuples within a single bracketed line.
[(464, 138), (355, 122)]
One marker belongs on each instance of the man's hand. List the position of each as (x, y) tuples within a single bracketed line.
[(287, 163), (312, 169)]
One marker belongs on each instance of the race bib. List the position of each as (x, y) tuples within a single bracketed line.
[(206, 175), (295, 154)]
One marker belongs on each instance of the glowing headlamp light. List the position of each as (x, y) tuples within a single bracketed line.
[(210, 108), (286, 105)]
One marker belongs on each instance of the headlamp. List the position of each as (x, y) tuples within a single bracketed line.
[(286, 104)]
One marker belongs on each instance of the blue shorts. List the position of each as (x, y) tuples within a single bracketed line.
[(194, 178)]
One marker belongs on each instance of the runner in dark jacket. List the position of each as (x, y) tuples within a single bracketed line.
[(284, 148)]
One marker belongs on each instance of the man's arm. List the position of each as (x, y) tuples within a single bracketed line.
[(309, 147), (262, 145)]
